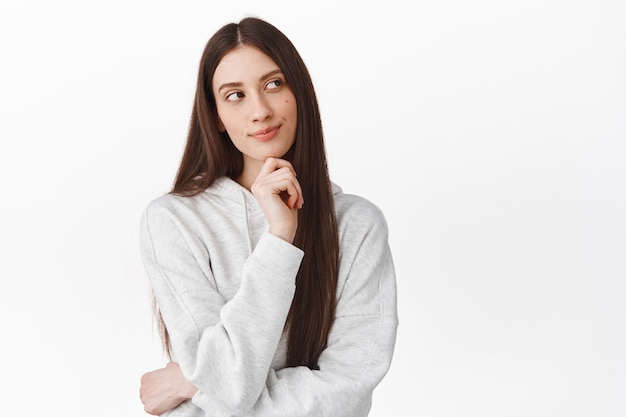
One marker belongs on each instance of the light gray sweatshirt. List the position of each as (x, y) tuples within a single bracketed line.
[(224, 286)]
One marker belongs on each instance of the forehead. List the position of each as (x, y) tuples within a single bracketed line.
[(242, 64)]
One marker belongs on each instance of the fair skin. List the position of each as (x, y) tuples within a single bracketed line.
[(258, 110)]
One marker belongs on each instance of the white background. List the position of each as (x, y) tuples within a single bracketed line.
[(491, 133)]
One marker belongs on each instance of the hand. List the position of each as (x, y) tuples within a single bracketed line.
[(279, 194), (164, 389)]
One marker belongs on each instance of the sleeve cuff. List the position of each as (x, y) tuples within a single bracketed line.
[(278, 256)]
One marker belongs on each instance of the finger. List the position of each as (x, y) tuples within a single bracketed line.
[(281, 180), (287, 173), (293, 201), (275, 169), (272, 164), (294, 195), (294, 191), (286, 187)]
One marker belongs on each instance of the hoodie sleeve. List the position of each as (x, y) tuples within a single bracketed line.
[(361, 343), (224, 348)]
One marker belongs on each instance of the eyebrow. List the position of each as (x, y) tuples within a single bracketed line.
[(239, 84)]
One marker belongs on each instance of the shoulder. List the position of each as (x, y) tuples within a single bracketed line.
[(357, 213), (169, 207), (208, 203), (167, 202), (366, 275), (163, 217), (171, 220)]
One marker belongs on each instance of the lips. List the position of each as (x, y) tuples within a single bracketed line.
[(266, 134)]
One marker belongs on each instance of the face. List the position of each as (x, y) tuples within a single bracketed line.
[(254, 105)]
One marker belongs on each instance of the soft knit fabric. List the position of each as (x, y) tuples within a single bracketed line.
[(224, 286)]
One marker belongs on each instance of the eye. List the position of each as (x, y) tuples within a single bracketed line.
[(234, 96), (274, 84)]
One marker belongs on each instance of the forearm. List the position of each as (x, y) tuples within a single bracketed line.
[(224, 348), (357, 358)]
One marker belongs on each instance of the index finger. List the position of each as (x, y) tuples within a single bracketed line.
[(271, 164)]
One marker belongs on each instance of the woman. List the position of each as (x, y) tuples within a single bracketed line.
[(276, 290)]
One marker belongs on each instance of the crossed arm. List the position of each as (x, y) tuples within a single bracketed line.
[(230, 370), (224, 349)]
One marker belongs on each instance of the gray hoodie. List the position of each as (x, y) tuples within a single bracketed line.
[(224, 286)]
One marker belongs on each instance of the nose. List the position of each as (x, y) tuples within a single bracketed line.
[(260, 109)]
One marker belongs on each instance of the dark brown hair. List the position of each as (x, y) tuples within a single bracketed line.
[(210, 154)]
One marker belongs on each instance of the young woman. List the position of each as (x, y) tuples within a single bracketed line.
[(276, 290)]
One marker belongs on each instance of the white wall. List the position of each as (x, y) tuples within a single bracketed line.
[(491, 133)]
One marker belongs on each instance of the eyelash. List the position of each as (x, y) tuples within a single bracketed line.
[(279, 83), (238, 93)]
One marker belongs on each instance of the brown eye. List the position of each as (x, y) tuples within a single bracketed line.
[(237, 95), (274, 84)]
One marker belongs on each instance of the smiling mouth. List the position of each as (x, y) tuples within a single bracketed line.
[(266, 134)]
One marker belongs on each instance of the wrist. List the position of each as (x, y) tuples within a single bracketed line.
[(187, 390), (286, 235)]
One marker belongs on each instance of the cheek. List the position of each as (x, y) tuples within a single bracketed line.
[(290, 105), (227, 120)]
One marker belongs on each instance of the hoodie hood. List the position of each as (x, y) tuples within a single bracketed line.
[(241, 202)]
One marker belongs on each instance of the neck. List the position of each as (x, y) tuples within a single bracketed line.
[(249, 173)]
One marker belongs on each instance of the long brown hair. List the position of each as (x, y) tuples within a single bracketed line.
[(210, 155)]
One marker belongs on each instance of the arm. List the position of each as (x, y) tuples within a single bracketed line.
[(225, 348), (361, 343), (215, 347), (164, 389)]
